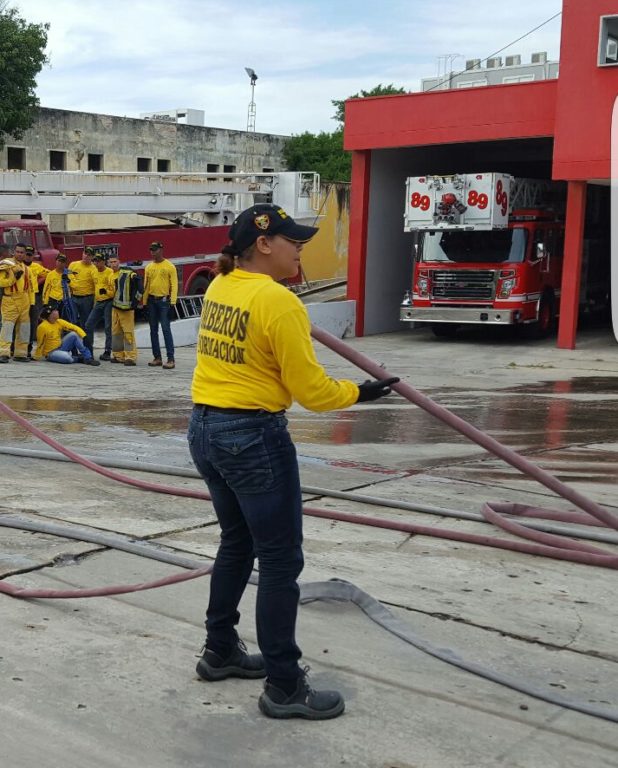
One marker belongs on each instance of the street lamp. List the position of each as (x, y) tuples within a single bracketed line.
[(251, 120)]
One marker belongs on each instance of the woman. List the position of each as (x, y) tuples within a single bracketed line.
[(254, 357), (59, 341)]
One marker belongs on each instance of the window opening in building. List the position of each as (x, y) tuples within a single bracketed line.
[(268, 170), (518, 79), (144, 164), (95, 162), (228, 169), (163, 166), (57, 160), (472, 83), (16, 158), (608, 42)]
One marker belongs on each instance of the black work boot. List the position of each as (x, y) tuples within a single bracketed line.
[(304, 702), (238, 663)]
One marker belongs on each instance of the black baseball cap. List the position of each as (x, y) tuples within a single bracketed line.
[(266, 219), (61, 257), (29, 249), (155, 246), (89, 250), (98, 257)]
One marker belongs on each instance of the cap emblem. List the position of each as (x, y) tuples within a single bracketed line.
[(262, 222)]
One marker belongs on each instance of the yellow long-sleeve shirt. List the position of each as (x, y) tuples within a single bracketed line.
[(49, 336), (37, 271), (254, 350), (81, 278), (52, 287), (104, 281), (17, 286), (161, 279)]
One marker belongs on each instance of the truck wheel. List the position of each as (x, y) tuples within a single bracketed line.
[(444, 330), (200, 284), (546, 321)]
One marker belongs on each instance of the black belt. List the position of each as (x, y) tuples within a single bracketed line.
[(238, 411)]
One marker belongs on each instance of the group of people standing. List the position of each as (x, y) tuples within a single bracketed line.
[(52, 314)]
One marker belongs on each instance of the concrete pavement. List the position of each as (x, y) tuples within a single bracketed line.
[(110, 682)]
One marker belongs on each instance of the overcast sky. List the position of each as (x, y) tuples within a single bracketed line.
[(123, 57)]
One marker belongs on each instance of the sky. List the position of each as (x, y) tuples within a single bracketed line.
[(123, 57)]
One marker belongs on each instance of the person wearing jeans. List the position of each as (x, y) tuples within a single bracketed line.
[(160, 294), (254, 357), (104, 290), (59, 341)]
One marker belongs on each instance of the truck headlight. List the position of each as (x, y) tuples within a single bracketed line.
[(423, 285)]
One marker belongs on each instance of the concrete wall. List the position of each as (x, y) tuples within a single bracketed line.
[(389, 248), (326, 256), (121, 140)]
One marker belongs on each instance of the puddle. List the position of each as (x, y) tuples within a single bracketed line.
[(530, 418)]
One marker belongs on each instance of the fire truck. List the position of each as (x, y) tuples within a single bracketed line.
[(488, 251), (192, 241)]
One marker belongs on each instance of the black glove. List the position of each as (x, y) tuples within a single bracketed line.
[(102, 291), (372, 390)]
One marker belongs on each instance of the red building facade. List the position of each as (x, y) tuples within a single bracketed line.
[(559, 129)]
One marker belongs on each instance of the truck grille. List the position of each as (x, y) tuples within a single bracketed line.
[(471, 284)]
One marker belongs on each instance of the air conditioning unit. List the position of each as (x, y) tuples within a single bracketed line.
[(539, 58), (473, 64), (612, 49), (494, 63), (513, 61)]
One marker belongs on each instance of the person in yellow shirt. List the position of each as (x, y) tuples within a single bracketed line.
[(81, 280), (55, 280), (160, 294), (104, 289), (38, 273), (18, 297), (59, 341), (254, 357)]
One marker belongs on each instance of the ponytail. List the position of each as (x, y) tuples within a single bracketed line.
[(227, 259)]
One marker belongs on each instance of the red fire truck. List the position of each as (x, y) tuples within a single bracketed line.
[(488, 251), (193, 250)]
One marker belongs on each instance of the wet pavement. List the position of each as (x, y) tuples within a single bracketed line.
[(127, 662)]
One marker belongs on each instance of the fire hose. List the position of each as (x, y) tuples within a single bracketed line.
[(541, 543)]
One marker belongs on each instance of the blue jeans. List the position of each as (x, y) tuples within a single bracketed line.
[(102, 310), (83, 305), (249, 464), (159, 313), (70, 343)]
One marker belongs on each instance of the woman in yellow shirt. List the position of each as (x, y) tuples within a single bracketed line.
[(254, 357), (58, 340)]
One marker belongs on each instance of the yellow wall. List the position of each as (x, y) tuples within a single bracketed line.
[(326, 256)]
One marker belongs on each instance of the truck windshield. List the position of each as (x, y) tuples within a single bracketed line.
[(17, 235), (493, 246)]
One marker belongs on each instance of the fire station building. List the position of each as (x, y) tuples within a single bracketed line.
[(558, 129)]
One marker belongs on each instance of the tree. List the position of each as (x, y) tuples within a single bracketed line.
[(322, 152), (22, 55), (379, 90)]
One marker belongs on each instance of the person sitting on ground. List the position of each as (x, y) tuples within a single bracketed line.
[(55, 347)]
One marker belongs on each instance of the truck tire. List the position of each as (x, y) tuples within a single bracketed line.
[(200, 284), (444, 330), (546, 322)]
